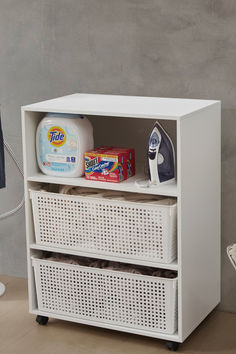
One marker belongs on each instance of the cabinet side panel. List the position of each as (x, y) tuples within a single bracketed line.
[(199, 208), (30, 121), (29, 124)]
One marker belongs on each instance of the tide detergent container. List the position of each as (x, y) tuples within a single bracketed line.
[(61, 141)]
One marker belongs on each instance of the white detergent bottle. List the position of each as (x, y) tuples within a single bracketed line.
[(61, 141)]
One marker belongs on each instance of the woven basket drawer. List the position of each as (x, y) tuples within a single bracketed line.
[(139, 231), (120, 298)]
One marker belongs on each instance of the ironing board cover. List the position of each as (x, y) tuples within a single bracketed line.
[(231, 251), (2, 162)]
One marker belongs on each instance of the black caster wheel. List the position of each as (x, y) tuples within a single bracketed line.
[(173, 346), (42, 320)]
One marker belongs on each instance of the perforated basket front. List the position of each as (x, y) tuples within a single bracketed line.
[(112, 227), (119, 298)]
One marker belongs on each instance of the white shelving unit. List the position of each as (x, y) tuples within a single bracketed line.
[(195, 126)]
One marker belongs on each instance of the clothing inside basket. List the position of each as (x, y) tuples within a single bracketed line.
[(107, 194), (111, 265)]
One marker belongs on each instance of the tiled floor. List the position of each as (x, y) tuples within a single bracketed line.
[(20, 334)]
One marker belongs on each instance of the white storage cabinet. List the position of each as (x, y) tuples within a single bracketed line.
[(183, 302)]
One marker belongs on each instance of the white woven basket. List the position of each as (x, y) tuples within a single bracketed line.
[(119, 298), (139, 231)]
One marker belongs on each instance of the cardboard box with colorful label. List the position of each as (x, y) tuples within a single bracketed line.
[(109, 164)]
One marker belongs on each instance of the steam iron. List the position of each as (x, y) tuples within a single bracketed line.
[(161, 158)]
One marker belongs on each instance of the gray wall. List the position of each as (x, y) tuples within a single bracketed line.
[(175, 48)]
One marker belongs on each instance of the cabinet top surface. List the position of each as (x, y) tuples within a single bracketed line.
[(122, 106)]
